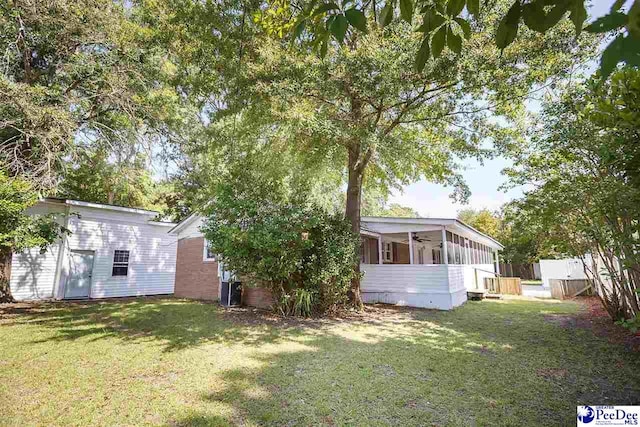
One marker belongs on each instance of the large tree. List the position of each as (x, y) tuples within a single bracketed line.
[(365, 110), (482, 220), (75, 76), (76, 73)]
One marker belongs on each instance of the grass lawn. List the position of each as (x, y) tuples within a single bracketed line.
[(175, 362), (532, 282)]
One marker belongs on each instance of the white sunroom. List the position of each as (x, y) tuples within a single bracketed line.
[(424, 262)]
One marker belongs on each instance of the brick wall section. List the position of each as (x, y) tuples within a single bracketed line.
[(256, 297), (195, 278)]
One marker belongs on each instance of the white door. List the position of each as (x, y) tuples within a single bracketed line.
[(79, 280)]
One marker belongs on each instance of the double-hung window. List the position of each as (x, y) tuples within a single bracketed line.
[(120, 263), (208, 255)]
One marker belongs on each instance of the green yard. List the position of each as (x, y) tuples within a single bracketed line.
[(175, 362)]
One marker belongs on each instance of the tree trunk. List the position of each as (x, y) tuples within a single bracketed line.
[(5, 273), (352, 213)]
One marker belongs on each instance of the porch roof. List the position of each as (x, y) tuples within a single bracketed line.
[(389, 225)]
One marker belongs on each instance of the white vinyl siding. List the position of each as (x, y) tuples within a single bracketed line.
[(33, 274), (404, 278), (151, 263), (428, 285), (152, 253)]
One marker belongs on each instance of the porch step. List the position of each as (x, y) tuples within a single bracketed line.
[(493, 296)]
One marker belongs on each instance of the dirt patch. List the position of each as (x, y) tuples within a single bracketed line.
[(551, 373), (484, 350), (385, 370), (593, 317)]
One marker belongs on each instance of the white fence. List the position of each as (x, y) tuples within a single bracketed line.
[(562, 269)]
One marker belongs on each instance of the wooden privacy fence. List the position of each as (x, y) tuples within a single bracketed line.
[(503, 285), (523, 271), (561, 289)]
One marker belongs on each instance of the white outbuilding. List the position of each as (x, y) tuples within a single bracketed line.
[(111, 251)]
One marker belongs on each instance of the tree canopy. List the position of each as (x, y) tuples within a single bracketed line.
[(447, 23), (583, 165), (482, 220), (81, 72)]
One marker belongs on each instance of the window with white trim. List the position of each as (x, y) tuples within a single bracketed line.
[(387, 252), (208, 255), (120, 263)]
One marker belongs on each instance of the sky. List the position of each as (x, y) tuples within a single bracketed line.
[(432, 200)]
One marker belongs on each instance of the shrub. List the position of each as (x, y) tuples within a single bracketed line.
[(275, 237)]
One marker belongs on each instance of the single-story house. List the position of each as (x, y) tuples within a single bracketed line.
[(404, 260), (112, 251)]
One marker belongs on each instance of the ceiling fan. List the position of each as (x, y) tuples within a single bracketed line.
[(419, 239)]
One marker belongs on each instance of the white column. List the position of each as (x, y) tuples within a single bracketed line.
[(410, 247), (380, 250), (497, 262), (445, 254)]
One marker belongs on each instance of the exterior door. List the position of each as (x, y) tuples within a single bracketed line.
[(79, 280)]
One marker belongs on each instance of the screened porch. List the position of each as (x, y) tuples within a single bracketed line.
[(424, 262)]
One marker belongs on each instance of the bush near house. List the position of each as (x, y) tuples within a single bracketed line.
[(272, 235)]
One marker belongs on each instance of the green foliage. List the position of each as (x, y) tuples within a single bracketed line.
[(632, 325), (525, 240), (584, 162), (75, 74), (375, 202), (403, 125), (482, 220), (271, 235), (97, 179), (19, 231), (439, 19)]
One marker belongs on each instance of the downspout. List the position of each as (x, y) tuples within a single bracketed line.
[(62, 252)]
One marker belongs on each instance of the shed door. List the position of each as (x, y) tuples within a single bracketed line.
[(79, 280)]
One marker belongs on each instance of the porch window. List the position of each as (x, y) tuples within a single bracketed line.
[(365, 253), (474, 252), (450, 248), (208, 254), (387, 252), (465, 251), (437, 259), (456, 245)]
